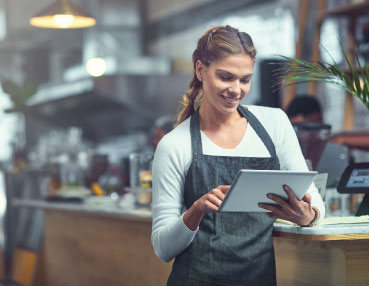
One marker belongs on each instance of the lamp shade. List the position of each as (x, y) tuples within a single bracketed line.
[(63, 15)]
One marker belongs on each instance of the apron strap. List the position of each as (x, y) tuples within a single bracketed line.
[(195, 134), (259, 129), (251, 118)]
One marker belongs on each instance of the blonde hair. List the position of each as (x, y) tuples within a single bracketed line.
[(215, 44)]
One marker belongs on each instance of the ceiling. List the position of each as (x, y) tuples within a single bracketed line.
[(110, 15), (117, 33)]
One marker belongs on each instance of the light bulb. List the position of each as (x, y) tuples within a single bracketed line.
[(96, 66), (63, 20)]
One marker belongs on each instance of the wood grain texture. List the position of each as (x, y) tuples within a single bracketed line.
[(357, 265), (303, 262), (349, 112), (87, 249), (24, 266), (323, 237), (313, 85), (304, 5)]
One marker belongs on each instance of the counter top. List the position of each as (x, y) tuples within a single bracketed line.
[(112, 210), (324, 232)]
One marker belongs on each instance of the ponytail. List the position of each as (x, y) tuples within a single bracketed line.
[(190, 100)]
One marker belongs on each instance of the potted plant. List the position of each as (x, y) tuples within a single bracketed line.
[(19, 94), (354, 81)]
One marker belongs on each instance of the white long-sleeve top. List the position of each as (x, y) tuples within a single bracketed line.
[(173, 157)]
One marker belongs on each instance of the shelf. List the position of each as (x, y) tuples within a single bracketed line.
[(349, 10)]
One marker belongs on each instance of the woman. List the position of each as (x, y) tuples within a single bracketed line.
[(197, 161)]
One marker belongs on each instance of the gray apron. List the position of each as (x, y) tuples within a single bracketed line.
[(229, 248)]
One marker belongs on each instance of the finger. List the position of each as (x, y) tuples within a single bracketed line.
[(279, 200), (291, 195), (307, 198), (214, 200), (283, 205), (218, 193), (270, 207), (276, 215), (224, 189), (210, 206)]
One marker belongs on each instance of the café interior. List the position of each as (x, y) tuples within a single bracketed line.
[(88, 89)]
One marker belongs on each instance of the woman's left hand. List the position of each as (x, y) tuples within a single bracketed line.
[(293, 209)]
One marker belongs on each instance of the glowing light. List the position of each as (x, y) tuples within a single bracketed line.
[(96, 66), (63, 14), (63, 20)]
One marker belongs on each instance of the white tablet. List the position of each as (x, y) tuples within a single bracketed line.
[(252, 186)]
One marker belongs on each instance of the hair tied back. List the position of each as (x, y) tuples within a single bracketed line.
[(210, 37)]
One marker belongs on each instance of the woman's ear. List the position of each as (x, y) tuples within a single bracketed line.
[(199, 70)]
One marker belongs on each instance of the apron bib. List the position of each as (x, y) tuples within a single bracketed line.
[(229, 248)]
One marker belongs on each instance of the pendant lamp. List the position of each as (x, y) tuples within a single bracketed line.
[(63, 15)]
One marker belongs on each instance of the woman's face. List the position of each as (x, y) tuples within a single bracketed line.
[(225, 82)]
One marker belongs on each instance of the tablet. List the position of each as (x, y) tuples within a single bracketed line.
[(355, 179), (251, 187)]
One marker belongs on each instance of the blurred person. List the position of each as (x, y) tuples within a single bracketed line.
[(304, 108), (161, 127), (305, 114), (197, 161), (307, 109)]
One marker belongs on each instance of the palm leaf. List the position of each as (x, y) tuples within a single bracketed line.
[(354, 82)]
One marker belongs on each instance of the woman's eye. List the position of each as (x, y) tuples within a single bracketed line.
[(245, 80), (225, 78)]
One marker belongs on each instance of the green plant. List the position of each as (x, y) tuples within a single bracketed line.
[(19, 93), (354, 81)]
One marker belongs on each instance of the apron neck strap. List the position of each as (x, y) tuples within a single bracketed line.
[(195, 134), (255, 123), (259, 129)]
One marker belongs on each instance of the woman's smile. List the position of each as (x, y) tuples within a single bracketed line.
[(231, 99)]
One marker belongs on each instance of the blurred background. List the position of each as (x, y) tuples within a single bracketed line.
[(82, 109)]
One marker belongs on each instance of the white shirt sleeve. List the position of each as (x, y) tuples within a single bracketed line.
[(170, 236), (291, 158)]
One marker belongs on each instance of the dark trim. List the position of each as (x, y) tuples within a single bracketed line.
[(195, 16)]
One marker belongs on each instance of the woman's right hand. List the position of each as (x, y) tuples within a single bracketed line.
[(211, 201)]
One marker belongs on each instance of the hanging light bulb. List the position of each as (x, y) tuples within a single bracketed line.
[(63, 15)]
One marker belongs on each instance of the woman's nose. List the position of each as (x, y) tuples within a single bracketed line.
[(235, 88)]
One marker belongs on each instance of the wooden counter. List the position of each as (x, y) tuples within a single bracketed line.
[(89, 245), (95, 245), (327, 255)]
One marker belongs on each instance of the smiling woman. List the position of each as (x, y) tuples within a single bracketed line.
[(219, 43), (197, 161)]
